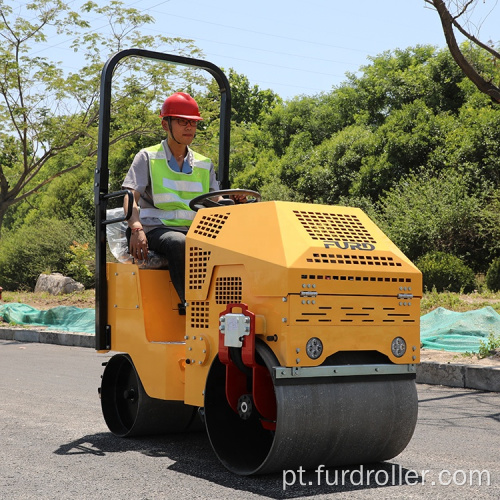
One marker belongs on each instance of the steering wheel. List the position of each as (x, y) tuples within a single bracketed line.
[(204, 200)]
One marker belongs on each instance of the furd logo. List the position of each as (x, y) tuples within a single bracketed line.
[(349, 245)]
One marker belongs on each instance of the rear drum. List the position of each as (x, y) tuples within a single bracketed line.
[(129, 411)]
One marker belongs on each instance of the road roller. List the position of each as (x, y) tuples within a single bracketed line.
[(301, 336)]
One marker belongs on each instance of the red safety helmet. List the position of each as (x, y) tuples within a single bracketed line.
[(181, 105)]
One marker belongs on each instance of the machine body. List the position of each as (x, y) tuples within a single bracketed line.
[(301, 335)]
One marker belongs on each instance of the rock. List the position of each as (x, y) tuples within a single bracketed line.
[(57, 284)]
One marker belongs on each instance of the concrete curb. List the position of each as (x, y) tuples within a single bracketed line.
[(483, 378), (48, 337)]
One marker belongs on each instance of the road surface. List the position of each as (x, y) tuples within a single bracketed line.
[(54, 444)]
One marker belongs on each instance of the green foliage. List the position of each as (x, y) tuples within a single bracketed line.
[(423, 213), (335, 164), (404, 143), (487, 348), (493, 276), (490, 223), (81, 264), (408, 139), (33, 250), (472, 145), (398, 78), (432, 299), (445, 272), (316, 117), (49, 118), (249, 102)]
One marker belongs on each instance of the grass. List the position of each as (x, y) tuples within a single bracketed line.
[(459, 302), (44, 300)]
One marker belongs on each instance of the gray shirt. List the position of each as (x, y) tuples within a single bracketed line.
[(138, 179)]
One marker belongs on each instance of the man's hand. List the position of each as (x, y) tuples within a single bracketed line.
[(239, 198), (138, 244)]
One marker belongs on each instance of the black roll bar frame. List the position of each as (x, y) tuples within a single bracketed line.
[(101, 176)]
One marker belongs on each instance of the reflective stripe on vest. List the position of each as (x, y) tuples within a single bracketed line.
[(172, 191)]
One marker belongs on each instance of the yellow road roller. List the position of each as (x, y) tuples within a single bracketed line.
[(301, 335)]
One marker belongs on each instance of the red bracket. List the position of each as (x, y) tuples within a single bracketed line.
[(263, 395)]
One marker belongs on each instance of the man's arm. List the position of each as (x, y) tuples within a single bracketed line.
[(138, 247)]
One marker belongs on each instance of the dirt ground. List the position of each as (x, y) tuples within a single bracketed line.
[(459, 358)]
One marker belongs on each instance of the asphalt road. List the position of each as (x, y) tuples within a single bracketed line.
[(54, 444)]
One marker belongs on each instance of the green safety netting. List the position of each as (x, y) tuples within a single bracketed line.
[(458, 332), (65, 318), (440, 329)]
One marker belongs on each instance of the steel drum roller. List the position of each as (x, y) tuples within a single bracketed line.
[(340, 421)]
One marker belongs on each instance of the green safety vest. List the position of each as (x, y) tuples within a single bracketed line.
[(172, 191)]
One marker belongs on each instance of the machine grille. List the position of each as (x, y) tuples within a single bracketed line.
[(355, 316), (353, 259), (336, 227), (210, 225), (228, 290), (339, 311), (198, 263), (199, 314)]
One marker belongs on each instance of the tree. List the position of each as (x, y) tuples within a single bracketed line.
[(481, 74), (249, 102), (46, 113)]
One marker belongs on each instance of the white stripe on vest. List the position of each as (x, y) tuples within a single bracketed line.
[(157, 155), (170, 198), (191, 187), (167, 214)]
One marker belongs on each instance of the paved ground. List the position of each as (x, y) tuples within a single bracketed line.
[(436, 368), (54, 445)]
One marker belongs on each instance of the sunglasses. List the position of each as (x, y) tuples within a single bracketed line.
[(183, 122)]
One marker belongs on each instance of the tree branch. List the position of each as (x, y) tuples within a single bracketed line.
[(90, 154), (473, 39), (447, 21)]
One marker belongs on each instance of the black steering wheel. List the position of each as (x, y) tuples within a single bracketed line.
[(205, 201)]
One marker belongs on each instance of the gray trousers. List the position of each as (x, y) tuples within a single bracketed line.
[(172, 244)]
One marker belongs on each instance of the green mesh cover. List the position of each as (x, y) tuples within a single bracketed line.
[(440, 329), (458, 332), (65, 318)]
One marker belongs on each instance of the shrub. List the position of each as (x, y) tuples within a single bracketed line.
[(422, 213), (493, 276), (488, 348), (32, 250), (81, 265), (445, 272)]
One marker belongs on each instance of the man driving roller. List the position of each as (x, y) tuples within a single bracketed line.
[(163, 179)]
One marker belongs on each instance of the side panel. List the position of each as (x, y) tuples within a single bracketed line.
[(145, 325)]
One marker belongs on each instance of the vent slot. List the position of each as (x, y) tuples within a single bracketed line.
[(334, 227), (228, 290), (379, 279), (210, 225), (319, 313), (198, 264), (199, 314), (353, 259)]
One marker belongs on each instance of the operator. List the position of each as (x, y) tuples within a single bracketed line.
[(163, 179)]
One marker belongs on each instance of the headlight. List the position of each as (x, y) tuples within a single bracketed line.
[(398, 347), (314, 348)]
